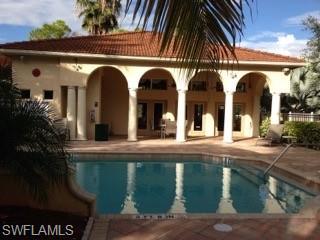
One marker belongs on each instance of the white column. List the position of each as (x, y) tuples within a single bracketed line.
[(81, 118), (181, 123), (311, 117), (225, 205), (271, 205), (256, 115), (228, 118), (178, 204), (275, 108), (71, 112), (133, 115), (226, 183), (129, 204)]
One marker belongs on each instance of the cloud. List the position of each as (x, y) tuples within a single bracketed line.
[(266, 34), (297, 20), (277, 42), (34, 13), (37, 12)]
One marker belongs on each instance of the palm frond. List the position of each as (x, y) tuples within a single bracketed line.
[(197, 30), (31, 146)]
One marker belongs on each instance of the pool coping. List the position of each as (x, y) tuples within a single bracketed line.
[(310, 210)]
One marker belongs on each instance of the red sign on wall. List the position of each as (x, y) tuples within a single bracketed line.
[(36, 72)]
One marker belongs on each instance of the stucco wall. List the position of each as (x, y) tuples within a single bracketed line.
[(110, 104), (114, 101), (60, 198), (93, 102), (49, 78)]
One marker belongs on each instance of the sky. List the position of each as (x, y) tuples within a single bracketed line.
[(275, 25)]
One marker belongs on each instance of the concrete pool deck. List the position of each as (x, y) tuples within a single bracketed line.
[(300, 161)]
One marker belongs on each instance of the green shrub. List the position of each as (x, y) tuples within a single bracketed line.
[(264, 127), (305, 132)]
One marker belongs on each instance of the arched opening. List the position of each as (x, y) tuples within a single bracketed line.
[(157, 99), (202, 97), (252, 102), (107, 101)]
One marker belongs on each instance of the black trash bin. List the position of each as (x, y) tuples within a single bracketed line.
[(101, 132)]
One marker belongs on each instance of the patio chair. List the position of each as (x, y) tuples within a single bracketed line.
[(168, 127), (274, 135)]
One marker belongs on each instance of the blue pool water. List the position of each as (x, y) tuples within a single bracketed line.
[(185, 187)]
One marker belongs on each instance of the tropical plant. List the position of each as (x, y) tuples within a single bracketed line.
[(264, 127), (305, 81), (306, 132), (57, 29), (305, 91), (99, 16), (312, 24), (31, 147), (197, 31)]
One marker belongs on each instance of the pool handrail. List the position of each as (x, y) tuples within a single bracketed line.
[(277, 159)]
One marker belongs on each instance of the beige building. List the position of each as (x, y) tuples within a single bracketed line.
[(120, 80)]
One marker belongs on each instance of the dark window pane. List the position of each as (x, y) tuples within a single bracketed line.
[(25, 93), (198, 86), (241, 87), (220, 117), (159, 84), (198, 112), (219, 86), (48, 94), (142, 115), (237, 117), (145, 84)]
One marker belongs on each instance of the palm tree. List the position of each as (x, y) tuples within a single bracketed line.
[(31, 147), (194, 28), (99, 16), (305, 91)]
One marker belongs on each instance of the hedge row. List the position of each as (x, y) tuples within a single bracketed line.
[(305, 132)]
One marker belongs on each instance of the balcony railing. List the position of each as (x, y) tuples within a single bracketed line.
[(301, 117)]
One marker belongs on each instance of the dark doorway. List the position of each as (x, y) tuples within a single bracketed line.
[(220, 118), (157, 115), (198, 112), (142, 115), (236, 123)]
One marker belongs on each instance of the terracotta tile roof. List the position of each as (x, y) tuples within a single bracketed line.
[(139, 44)]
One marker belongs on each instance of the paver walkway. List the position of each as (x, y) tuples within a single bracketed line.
[(191, 229)]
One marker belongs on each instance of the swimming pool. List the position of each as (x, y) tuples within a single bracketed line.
[(154, 187)]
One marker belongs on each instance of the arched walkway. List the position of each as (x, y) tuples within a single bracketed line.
[(201, 100), (157, 99), (107, 101), (246, 106)]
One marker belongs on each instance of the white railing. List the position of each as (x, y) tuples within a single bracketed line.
[(301, 117)]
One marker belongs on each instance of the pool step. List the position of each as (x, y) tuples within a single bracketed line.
[(100, 229)]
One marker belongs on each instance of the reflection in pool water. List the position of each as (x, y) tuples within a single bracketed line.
[(185, 187)]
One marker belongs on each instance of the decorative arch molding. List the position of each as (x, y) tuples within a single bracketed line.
[(213, 73), (230, 79), (92, 69), (167, 70)]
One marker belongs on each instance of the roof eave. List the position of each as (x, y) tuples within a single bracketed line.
[(135, 58)]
